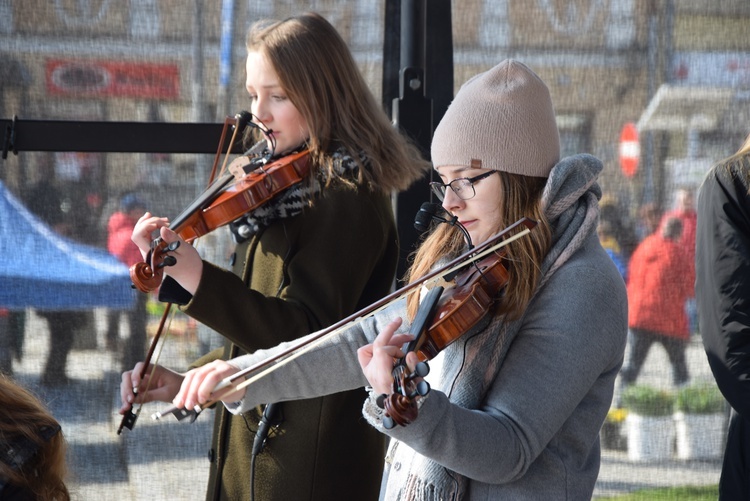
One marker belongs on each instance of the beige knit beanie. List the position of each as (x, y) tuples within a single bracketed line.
[(501, 119)]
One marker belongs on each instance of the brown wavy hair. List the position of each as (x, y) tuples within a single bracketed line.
[(320, 77), (23, 417), (520, 197)]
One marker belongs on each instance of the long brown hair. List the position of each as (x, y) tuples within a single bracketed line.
[(319, 75), (24, 418), (520, 197)]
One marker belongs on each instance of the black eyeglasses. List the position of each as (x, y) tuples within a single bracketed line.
[(463, 187)]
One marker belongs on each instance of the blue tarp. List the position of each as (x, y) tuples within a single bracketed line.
[(40, 269)]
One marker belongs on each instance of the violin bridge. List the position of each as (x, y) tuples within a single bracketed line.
[(237, 167)]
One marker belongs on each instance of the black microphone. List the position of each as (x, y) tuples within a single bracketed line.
[(269, 414), (424, 216), (428, 213), (243, 118)]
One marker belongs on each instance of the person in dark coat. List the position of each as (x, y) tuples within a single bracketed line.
[(722, 291), (323, 249)]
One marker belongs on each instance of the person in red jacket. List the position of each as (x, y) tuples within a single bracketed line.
[(658, 287), (684, 210), (119, 229)]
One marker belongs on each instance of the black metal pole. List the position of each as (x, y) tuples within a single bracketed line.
[(416, 91)]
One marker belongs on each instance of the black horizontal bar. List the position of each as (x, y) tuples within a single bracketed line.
[(114, 137)]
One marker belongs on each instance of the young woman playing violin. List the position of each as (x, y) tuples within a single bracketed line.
[(321, 250), (516, 403)]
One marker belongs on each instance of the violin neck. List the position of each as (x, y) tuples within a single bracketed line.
[(423, 318)]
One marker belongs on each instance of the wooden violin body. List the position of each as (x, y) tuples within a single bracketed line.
[(454, 313), (221, 205)]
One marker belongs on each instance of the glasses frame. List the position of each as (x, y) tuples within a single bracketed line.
[(439, 188)]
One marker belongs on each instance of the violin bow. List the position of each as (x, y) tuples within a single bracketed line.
[(227, 385), (239, 121)]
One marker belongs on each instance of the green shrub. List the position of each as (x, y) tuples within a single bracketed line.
[(700, 399), (648, 401)]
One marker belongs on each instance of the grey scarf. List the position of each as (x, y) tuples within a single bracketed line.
[(471, 364)]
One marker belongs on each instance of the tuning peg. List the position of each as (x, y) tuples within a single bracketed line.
[(388, 423), (421, 370), (167, 261), (380, 401), (173, 246), (423, 388)]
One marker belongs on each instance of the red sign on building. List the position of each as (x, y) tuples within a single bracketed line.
[(105, 78)]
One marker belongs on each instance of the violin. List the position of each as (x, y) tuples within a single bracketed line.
[(223, 202), (449, 314), (456, 312), (250, 184)]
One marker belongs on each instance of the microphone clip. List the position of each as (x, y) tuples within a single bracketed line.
[(428, 213)]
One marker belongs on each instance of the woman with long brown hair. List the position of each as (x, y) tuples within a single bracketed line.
[(314, 254), (32, 447)]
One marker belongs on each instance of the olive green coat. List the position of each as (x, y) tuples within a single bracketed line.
[(297, 276)]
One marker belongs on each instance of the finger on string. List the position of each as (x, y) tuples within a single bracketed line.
[(401, 339), (385, 335)]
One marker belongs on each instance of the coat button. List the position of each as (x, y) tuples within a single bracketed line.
[(211, 455), (396, 466)]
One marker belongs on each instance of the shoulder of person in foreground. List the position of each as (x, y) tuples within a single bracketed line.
[(722, 264)]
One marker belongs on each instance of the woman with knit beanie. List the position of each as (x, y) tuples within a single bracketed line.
[(516, 404)]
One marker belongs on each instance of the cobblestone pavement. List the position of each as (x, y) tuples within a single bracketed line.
[(167, 459)]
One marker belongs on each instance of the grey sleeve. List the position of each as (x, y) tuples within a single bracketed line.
[(327, 366)]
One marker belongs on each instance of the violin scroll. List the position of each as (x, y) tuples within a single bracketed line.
[(147, 275), (401, 405)]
